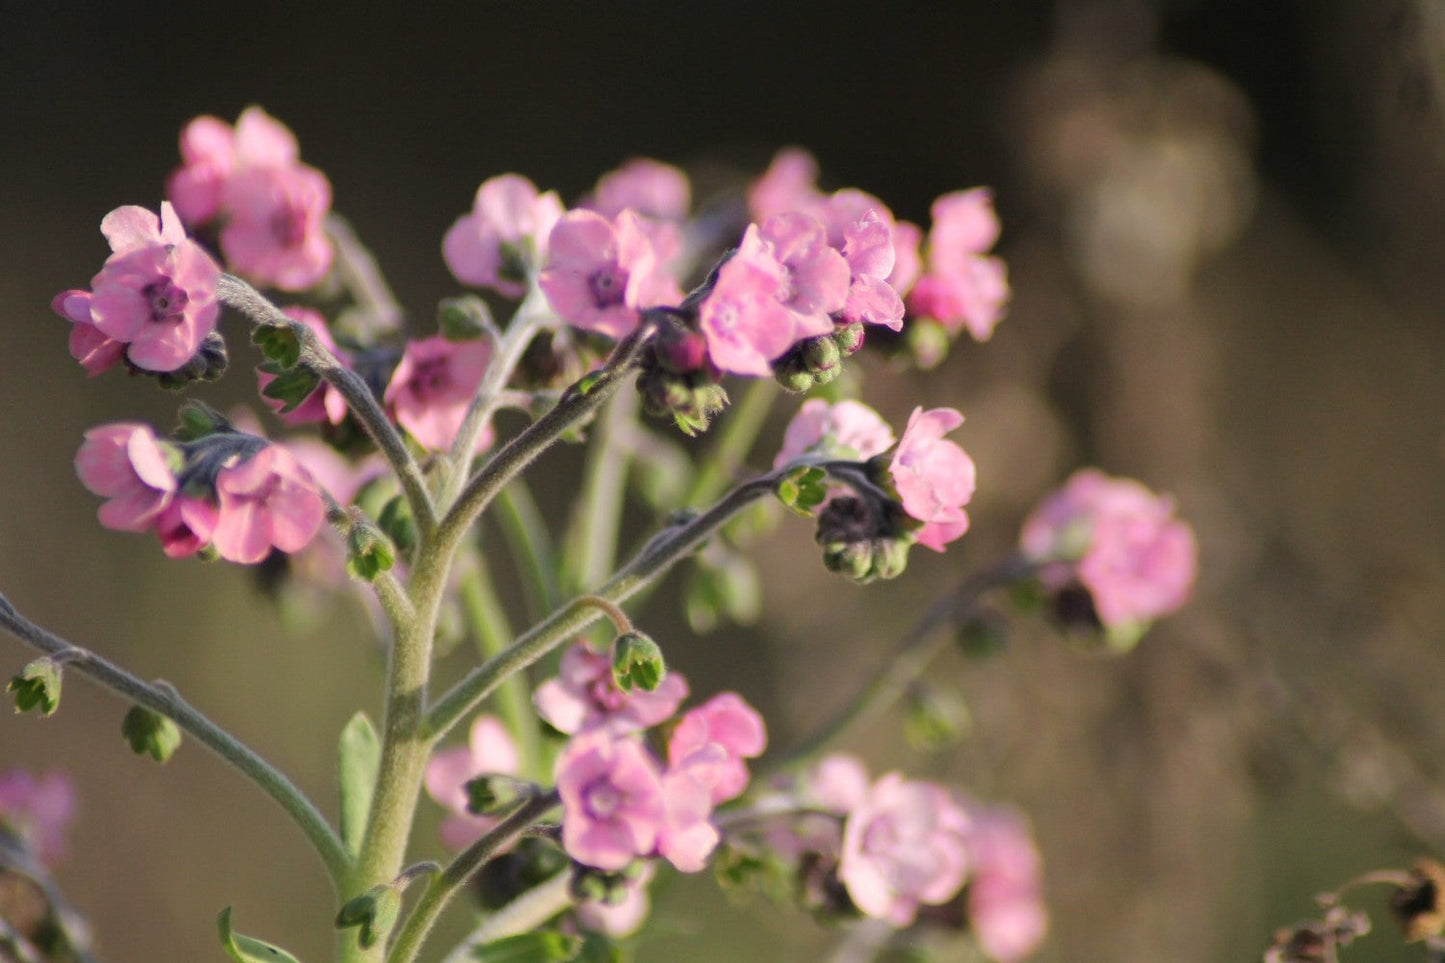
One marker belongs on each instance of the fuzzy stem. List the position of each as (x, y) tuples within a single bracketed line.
[(443, 887), (522, 915), (243, 297), (655, 558), (166, 701)]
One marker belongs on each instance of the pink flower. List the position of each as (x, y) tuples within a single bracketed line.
[(903, 846), (934, 477), (1118, 539), (649, 187), (94, 350), (743, 319), (726, 723), (432, 388), (601, 273), (489, 751), (815, 277), (838, 783), (963, 286), (847, 429), (584, 696), (789, 184), (325, 405), (907, 262), (504, 238), (868, 248), (612, 799), (687, 836), (38, 811), (274, 207), (185, 526), (1005, 907), (156, 293), (265, 500), (128, 465)]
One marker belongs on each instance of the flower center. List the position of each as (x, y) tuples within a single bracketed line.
[(608, 285), (603, 800), (431, 379), (168, 301), (288, 225)]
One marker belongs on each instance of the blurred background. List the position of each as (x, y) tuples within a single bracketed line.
[(1225, 224)]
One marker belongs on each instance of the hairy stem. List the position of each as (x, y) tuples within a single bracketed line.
[(166, 701)]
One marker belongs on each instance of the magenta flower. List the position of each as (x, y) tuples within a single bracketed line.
[(612, 799), (93, 349), (962, 286), (433, 386), (325, 405), (601, 273), (38, 810), (127, 464), (934, 477), (711, 742), (649, 187), (903, 846), (743, 318), (1120, 541), (156, 293), (504, 238), (1006, 910), (848, 429), (489, 751), (273, 207), (267, 500), (584, 696)]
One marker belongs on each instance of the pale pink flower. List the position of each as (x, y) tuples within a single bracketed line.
[(275, 229), (127, 464), (504, 237), (156, 293), (88, 344), (267, 500), (743, 320), (1006, 912), (868, 248), (273, 206), (848, 429), (621, 918), (837, 783), (433, 386), (38, 810), (903, 846), (934, 477), (727, 723), (489, 751), (815, 277), (649, 187), (687, 835), (584, 696), (612, 799), (907, 261), (600, 274), (962, 286), (789, 184), (1120, 541), (325, 405)]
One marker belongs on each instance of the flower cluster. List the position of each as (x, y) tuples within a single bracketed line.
[(153, 302), (1119, 542), (270, 208), (235, 493)]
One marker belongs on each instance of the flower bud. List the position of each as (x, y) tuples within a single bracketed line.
[(397, 522), (464, 319), (490, 793), (209, 363), (849, 338), (680, 349), (934, 719), (37, 685), (150, 733), (637, 661)]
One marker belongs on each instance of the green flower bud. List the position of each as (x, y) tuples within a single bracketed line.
[(637, 661), (464, 319), (150, 733), (37, 685)]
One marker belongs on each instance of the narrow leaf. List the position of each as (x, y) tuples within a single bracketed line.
[(244, 949), (360, 760)]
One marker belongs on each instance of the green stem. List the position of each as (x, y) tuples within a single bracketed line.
[(166, 701), (576, 403), (531, 545), (591, 548), (740, 429), (522, 915), (241, 296), (443, 887), (492, 630), (917, 648), (655, 558)]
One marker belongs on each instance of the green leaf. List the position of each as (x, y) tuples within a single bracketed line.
[(360, 760), (279, 343), (150, 733), (375, 911), (38, 684), (530, 948), (244, 949), (803, 489)]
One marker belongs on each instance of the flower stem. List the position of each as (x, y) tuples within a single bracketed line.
[(363, 405), (167, 702), (655, 558), (918, 648), (522, 915), (443, 887), (493, 632)]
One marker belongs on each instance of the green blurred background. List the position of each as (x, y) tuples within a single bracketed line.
[(1224, 225)]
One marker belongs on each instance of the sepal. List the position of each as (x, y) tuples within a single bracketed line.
[(150, 733), (637, 662), (37, 686)]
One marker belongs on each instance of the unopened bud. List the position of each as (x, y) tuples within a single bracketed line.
[(849, 338), (37, 686), (464, 319), (637, 662), (150, 733)]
